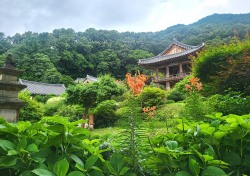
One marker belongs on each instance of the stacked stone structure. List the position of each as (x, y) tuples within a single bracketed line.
[(9, 88)]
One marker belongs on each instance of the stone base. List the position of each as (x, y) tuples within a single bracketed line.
[(9, 115)]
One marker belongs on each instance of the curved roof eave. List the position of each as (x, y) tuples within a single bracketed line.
[(160, 58)]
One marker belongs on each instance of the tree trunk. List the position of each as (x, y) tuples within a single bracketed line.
[(85, 116)]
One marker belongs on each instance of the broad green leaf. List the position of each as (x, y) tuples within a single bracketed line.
[(96, 168), (41, 155), (61, 167), (183, 173), (7, 145), (184, 127), (12, 152), (7, 161), (217, 162), (213, 171), (76, 173), (21, 144), (219, 134), (90, 161), (95, 173), (32, 148), (43, 172), (172, 145), (208, 130), (124, 170), (232, 158), (8, 128), (215, 123), (26, 173), (162, 150), (110, 168), (78, 166), (225, 128), (231, 120), (23, 125), (218, 115), (77, 160), (117, 162), (194, 167), (234, 125), (239, 120), (207, 158)]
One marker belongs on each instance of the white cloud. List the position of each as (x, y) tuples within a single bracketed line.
[(17, 16)]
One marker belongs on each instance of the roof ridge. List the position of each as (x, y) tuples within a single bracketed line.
[(41, 83)]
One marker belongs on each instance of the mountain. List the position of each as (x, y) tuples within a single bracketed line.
[(64, 54)]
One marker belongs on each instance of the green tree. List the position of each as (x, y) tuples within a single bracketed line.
[(33, 111), (225, 67), (152, 96), (89, 95), (35, 66)]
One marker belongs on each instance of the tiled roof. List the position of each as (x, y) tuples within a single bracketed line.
[(43, 88), (161, 58), (88, 77)]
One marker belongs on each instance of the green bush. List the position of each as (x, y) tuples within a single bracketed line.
[(52, 105), (43, 98), (231, 103), (152, 96), (52, 146), (73, 112), (178, 92), (104, 114), (33, 111), (225, 66), (169, 111)]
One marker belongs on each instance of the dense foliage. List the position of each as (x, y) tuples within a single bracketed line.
[(55, 147), (158, 136), (225, 67), (33, 111), (89, 95), (64, 55)]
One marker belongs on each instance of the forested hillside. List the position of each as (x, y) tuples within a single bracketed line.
[(63, 55)]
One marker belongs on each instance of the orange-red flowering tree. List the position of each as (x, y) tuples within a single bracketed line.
[(136, 83)]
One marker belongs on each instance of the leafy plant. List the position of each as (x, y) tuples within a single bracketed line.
[(104, 114), (33, 111), (152, 96)]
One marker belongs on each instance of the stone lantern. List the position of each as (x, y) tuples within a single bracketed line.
[(9, 88)]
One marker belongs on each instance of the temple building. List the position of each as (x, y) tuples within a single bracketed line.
[(172, 64), (87, 79)]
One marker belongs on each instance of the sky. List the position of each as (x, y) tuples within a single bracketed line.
[(19, 16)]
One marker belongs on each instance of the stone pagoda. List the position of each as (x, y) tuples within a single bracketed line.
[(172, 64), (9, 88)]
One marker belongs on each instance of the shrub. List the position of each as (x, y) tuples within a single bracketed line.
[(52, 105), (43, 98), (152, 96), (231, 103), (104, 114), (73, 112), (33, 111), (178, 92), (169, 111)]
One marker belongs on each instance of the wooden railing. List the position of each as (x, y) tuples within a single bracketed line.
[(171, 77)]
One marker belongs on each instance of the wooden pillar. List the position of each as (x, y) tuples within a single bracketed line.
[(167, 85), (167, 71), (157, 73), (180, 68)]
